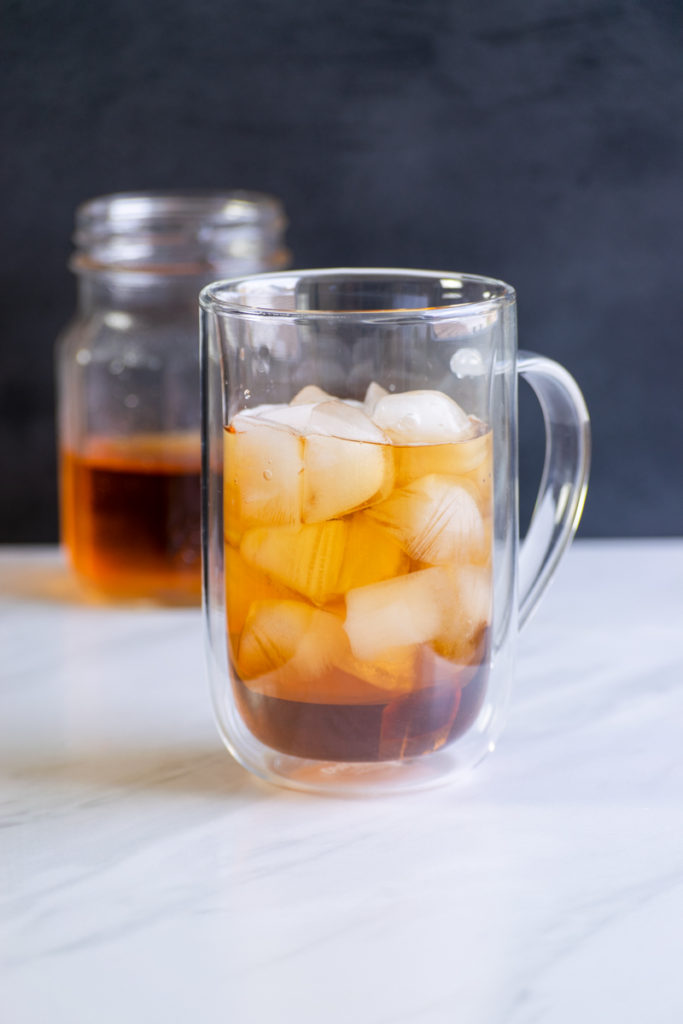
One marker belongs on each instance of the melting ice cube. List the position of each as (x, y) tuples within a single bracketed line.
[(346, 465), (397, 671), (372, 396), (421, 417), (296, 417), (271, 635), (341, 419), (307, 559), (383, 617), (467, 615), (471, 458), (309, 395), (292, 634), (371, 554), (262, 477), (244, 586), (341, 476), (320, 560), (436, 520)]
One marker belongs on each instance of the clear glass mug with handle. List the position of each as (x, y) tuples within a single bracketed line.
[(363, 578)]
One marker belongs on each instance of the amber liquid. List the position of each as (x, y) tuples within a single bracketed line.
[(319, 666), (131, 516), (437, 713)]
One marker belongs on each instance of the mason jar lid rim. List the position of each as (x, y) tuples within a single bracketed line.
[(132, 212)]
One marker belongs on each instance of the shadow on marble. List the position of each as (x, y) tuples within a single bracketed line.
[(28, 580), (25, 581), (163, 771)]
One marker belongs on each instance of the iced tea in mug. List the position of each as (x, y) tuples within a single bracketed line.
[(362, 587), (358, 572)]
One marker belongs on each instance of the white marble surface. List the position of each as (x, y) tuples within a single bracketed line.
[(146, 878)]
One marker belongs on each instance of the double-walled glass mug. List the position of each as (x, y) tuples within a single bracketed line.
[(362, 585), (128, 380)]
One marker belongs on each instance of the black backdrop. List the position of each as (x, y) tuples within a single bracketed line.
[(535, 140)]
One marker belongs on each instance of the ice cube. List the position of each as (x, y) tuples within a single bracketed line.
[(320, 561), (384, 617), (466, 613), (288, 649), (341, 476), (271, 635), (324, 644), (243, 419), (296, 417), (458, 458), (371, 554), (396, 672), (262, 474), (343, 420), (473, 585), (279, 413), (306, 559), (309, 395), (417, 417), (244, 586), (373, 394), (436, 520)]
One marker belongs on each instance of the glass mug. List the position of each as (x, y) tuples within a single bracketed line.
[(127, 374), (362, 586)]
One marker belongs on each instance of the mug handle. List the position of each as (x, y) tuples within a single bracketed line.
[(562, 490)]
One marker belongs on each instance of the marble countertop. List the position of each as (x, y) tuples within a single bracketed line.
[(145, 877)]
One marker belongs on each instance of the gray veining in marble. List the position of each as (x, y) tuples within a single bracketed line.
[(145, 877)]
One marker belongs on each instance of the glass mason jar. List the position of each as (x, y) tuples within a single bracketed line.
[(362, 585), (128, 383)]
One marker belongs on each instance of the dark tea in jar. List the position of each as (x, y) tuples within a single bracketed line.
[(128, 381)]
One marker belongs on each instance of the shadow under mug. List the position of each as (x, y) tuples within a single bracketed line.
[(363, 578)]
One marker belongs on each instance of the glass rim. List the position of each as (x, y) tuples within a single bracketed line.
[(211, 298)]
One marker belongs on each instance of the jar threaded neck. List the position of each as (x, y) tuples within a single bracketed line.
[(180, 233)]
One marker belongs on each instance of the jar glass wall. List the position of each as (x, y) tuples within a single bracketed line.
[(127, 373)]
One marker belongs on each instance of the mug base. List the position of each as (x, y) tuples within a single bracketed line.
[(359, 778)]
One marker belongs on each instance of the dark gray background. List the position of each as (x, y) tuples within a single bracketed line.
[(534, 140)]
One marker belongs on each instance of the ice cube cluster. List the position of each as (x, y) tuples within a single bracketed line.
[(408, 418), (356, 534)]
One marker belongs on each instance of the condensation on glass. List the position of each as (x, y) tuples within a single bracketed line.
[(128, 380)]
